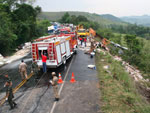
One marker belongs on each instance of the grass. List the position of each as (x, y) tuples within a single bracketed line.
[(118, 91)]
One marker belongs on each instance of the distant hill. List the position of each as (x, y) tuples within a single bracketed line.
[(101, 19), (111, 17), (139, 20)]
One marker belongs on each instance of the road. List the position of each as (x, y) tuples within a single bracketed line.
[(79, 97)]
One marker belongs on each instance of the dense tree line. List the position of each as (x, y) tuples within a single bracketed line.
[(18, 24), (132, 29), (76, 20), (138, 48)]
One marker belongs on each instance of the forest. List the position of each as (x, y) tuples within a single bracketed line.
[(19, 24)]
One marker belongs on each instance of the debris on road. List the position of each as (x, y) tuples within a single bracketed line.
[(92, 53), (91, 66)]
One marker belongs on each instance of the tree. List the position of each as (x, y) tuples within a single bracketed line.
[(41, 27), (38, 10), (81, 18), (73, 19), (18, 24), (135, 49), (106, 33), (24, 18), (66, 18), (7, 37)]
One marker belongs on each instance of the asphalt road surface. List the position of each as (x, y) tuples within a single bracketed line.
[(36, 97)]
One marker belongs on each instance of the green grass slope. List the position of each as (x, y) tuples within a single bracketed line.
[(111, 17), (119, 93), (55, 16)]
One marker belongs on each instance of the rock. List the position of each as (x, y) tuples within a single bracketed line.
[(117, 58), (98, 50), (1, 63), (102, 60), (1, 57), (106, 67)]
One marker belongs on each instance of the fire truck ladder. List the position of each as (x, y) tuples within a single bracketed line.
[(50, 52)]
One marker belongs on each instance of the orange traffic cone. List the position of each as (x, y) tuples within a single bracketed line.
[(60, 80), (72, 78)]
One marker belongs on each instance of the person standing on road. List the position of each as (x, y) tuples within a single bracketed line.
[(44, 58), (55, 87), (23, 69), (35, 69), (10, 95), (85, 41), (7, 78)]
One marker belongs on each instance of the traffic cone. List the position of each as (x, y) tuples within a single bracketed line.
[(72, 78), (60, 79)]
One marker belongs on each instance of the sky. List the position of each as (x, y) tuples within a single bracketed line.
[(117, 8)]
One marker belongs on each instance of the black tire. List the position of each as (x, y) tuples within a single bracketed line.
[(64, 60), (75, 52)]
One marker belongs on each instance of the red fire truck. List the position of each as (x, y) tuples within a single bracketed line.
[(58, 49)]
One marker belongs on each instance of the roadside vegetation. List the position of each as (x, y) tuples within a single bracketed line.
[(19, 24), (138, 48), (118, 90), (133, 37)]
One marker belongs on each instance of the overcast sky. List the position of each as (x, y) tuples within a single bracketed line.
[(115, 7)]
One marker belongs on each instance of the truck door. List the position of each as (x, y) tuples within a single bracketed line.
[(58, 53), (67, 48), (63, 48)]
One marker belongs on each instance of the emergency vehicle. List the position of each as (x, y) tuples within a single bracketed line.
[(58, 49), (65, 30)]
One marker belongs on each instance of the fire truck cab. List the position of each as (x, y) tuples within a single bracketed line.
[(57, 49)]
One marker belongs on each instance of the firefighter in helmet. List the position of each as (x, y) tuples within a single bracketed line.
[(35, 69), (55, 87)]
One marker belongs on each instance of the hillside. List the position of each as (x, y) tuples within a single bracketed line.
[(139, 20), (55, 16), (111, 17)]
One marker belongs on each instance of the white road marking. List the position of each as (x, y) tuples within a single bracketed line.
[(54, 105)]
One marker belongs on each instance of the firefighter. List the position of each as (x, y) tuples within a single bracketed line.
[(44, 58), (10, 95), (55, 87), (35, 68), (81, 40), (85, 40), (7, 78), (23, 69)]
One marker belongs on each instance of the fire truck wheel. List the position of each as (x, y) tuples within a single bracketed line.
[(64, 60), (75, 52)]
